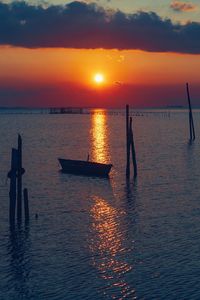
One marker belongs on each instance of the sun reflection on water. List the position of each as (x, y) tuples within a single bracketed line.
[(108, 236), (108, 250), (99, 136)]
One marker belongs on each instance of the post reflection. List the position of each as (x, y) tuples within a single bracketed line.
[(20, 265), (109, 252), (99, 136)]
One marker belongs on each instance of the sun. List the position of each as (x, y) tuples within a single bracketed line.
[(99, 78)]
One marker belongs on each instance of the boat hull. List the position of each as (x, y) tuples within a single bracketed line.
[(87, 168)]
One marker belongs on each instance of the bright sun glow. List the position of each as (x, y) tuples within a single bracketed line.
[(99, 78)]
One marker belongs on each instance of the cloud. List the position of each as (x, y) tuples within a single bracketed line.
[(86, 25), (182, 6)]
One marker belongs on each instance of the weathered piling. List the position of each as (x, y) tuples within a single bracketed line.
[(19, 179), (127, 143), (12, 174), (133, 149), (130, 146), (26, 206), (15, 193), (191, 122)]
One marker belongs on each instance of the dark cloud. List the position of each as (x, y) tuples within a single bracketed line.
[(182, 6), (82, 25)]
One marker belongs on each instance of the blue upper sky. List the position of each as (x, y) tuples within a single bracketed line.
[(177, 10), (164, 8)]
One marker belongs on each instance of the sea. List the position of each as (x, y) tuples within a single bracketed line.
[(102, 238)]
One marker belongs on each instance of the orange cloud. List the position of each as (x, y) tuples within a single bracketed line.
[(182, 6)]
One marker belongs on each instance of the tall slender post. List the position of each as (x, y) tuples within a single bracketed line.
[(26, 206), (191, 122), (19, 180), (127, 143), (133, 150), (12, 194)]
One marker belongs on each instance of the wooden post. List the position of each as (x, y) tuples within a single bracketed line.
[(127, 143), (19, 180), (26, 206), (191, 123), (133, 150), (12, 194)]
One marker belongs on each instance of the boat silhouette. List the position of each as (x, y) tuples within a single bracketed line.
[(82, 167)]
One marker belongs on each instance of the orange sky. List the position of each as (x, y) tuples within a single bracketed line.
[(44, 74), (65, 67), (79, 66)]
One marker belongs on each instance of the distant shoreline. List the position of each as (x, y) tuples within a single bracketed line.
[(92, 108)]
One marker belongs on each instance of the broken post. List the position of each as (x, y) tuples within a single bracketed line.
[(12, 193), (20, 172)]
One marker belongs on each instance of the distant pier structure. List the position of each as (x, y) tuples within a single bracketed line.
[(112, 112), (66, 110)]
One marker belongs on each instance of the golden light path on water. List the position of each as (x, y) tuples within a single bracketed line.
[(99, 137), (106, 243)]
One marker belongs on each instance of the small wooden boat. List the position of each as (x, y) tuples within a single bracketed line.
[(82, 167)]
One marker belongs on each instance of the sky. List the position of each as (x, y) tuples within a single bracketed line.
[(50, 52)]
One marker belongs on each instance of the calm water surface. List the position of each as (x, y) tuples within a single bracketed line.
[(97, 238)]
